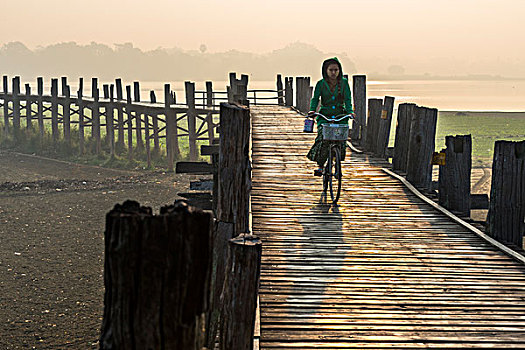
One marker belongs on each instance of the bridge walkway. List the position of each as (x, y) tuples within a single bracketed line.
[(383, 270)]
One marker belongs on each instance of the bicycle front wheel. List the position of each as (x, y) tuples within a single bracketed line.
[(336, 174)]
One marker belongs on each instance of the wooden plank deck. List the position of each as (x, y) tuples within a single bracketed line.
[(384, 270)]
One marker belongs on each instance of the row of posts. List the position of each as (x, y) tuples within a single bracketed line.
[(141, 124), (413, 156)]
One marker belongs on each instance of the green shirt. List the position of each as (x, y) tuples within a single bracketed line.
[(330, 104)]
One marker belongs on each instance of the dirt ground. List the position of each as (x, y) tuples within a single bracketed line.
[(52, 217)]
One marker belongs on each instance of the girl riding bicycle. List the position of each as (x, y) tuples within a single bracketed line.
[(336, 99)]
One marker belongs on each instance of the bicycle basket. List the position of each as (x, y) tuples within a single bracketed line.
[(335, 132)]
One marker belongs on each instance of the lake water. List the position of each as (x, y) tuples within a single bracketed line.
[(454, 95)]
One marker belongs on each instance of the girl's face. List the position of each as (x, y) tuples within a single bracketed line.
[(332, 71)]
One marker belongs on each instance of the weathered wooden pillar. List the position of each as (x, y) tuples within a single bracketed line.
[(299, 93), (54, 109), (40, 108), (105, 91), (110, 122), (374, 115), (81, 104), (95, 116), (421, 146), (454, 176), (234, 166), (303, 94), (6, 98), (280, 91), (129, 115), (136, 91), (120, 116), (232, 87), (66, 113), (506, 216), (170, 125), (288, 91), (221, 236), (29, 106), (16, 106), (359, 96), (192, 119), (155, 126), (138, 116), (240, 292), (383, 128), (404, 118), (242, 89), (156, 275), (209, 116)]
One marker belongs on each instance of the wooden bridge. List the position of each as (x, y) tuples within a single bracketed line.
[(383, 270)]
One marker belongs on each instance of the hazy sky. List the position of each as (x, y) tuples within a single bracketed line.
[(481, 35)]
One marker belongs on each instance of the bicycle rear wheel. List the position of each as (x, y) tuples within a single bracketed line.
[(336, 176)]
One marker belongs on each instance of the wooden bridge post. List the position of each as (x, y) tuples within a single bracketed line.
[(280, 91), (110, 122), (454, 176), (374, 115), (65, 102), (16, 106), (209, 116), (5, 80), (54, 109), (95, 116), (170, 116), (303, 94), (192, 119), (288, 91), (105, 91), (233, 194), (385, 122), (234, 167), (80, 102), (506, 216), (421, 146), (155, 125), (230, 89), (359, 95), (156, 277), (405, 113), (242, 89), (29, 107), (40, 108), (240, 294), (120, 116), (138, 116), (66, 111), (129, 115)]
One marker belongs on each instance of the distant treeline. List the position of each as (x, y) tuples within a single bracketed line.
[(131, 63)]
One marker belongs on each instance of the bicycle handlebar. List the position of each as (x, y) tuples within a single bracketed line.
[(334, 119)]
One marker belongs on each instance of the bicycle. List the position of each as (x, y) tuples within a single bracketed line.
[(334, 134)]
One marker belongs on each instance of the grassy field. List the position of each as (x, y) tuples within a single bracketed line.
[(485, 128)]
